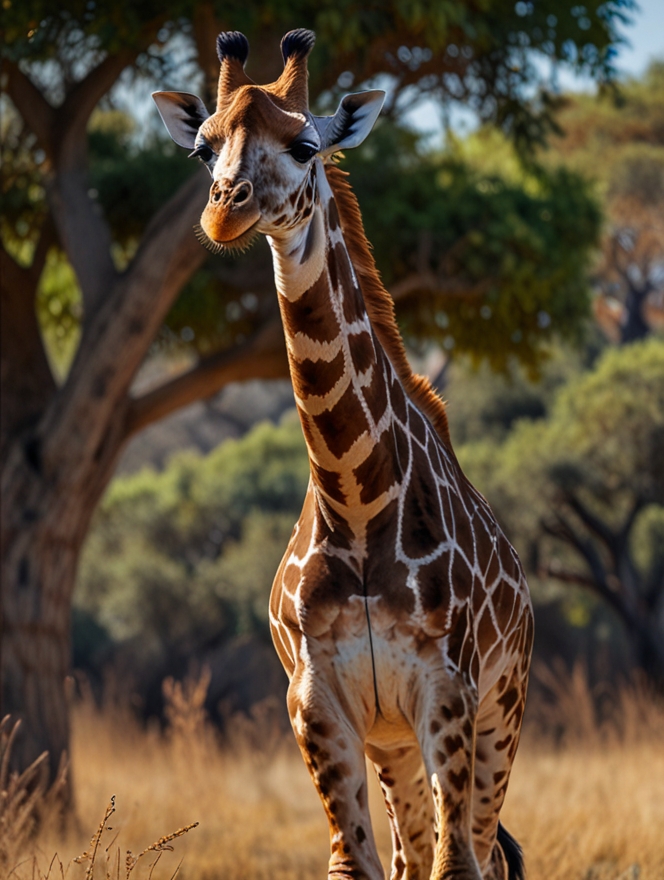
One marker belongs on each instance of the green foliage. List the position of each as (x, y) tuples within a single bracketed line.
[(185, 558), (601, 444), (617, 141), (213, 314), (517, 249), (38, 29), (612, 423), (269, 470), (485, 405), (59, 312), (131, 182), (510, 257), (21, 184), (243, 574)]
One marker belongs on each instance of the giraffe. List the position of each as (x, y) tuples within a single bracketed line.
[(400, 611)]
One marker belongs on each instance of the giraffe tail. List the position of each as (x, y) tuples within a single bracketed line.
[(513, 854)]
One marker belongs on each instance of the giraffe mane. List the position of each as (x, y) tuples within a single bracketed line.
[(380, 305)]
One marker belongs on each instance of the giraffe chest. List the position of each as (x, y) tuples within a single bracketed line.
[(422, 556), (429, 588)]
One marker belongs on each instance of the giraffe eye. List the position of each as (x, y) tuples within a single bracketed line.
[(203, 152), (303, 151)]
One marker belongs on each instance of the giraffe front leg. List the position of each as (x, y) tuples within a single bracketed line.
[(334, 754), (405, 786), (447, 739)]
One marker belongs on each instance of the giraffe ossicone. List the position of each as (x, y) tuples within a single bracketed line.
[(400, 610)]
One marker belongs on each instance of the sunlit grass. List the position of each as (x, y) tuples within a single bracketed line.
[(589, 809)]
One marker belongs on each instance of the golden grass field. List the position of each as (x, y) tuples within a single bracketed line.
[(589, 809)]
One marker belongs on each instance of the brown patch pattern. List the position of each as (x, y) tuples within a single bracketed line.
[(311, 314), (343, 423)]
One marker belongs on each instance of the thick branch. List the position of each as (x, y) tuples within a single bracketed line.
[(261, 357), (25, 375), (83, 229), (598, 580), (567, 577), (85, 236), (126, 322), (420, 282), (562, 530), (37, 113), (594, 523), (72, 117)]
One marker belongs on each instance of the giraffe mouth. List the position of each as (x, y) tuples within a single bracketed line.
[(242, 243)]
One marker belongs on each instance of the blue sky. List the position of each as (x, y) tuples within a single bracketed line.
[(645, 41), (646, 37)]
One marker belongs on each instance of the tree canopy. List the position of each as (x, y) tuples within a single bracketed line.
[(484, 55), (619, 146), (473, 249)]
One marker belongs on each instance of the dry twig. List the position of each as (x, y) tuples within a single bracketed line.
[(159, 846)]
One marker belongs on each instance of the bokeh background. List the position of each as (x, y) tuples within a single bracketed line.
[(153, 465)]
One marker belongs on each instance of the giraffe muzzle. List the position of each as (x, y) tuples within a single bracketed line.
[(231, 210)]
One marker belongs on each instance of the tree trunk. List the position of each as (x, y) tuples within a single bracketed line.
[(634, 325), (648, 647), (45, 517), (38, 577)]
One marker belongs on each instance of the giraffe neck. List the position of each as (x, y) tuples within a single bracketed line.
[(343, 381)]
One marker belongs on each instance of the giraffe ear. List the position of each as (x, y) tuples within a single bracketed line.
[(183, 115), (352, 122)]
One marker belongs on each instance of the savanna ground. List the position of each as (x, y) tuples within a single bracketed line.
[(586, 804)]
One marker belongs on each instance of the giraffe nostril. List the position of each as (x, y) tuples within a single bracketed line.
[(242, 193)]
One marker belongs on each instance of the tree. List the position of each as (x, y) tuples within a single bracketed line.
[(618, 143), (60, 442), (582, 492), (629, 279)]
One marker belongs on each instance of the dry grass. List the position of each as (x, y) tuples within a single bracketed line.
[(26, 798), (591, 808)]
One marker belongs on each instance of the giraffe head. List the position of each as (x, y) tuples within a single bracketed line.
[(262, 143)]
